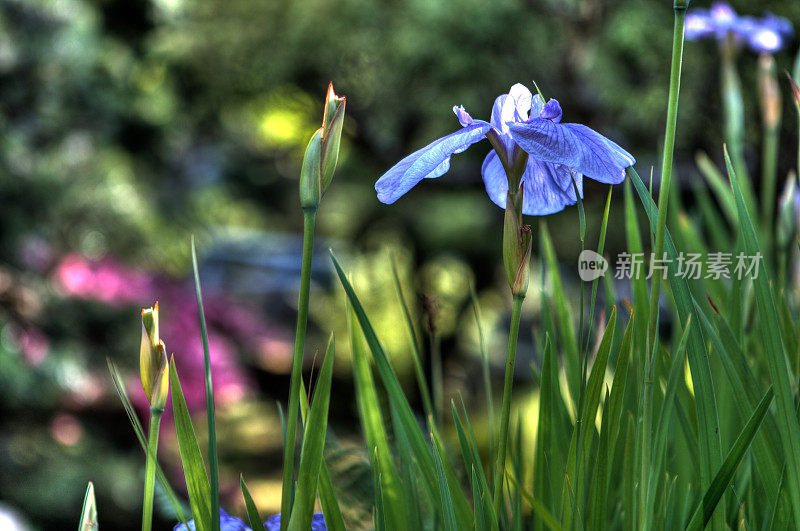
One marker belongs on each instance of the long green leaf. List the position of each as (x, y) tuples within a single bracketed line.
[(311, 453), (194, 469), (722, 479), (419, 372), (703, 384), (256, 523), (769, 330), (210, 415), (372, 423), (400, 407)]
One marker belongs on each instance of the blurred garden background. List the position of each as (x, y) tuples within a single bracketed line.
[(126, 126)]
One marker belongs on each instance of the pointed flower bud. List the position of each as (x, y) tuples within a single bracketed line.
[(153, 365), (517, 243), (322, 152), (788, 211), (768, 91)]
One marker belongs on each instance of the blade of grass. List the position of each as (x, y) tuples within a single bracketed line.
[(372, 423), (722, 479), (705, 401), (311, 453), (546, 516), (563, 317), (771, 340), (194, 469), (212, 431), (400, 407), (419, 372), (119, 387), (327, 496), (256, 523), (89, 511), (487, 379)]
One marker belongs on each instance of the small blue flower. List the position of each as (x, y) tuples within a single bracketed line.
[(768, 34), (226, 523), (317, 523), (557, 153), (230, 523)]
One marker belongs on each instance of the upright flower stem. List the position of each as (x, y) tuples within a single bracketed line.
[(150, 473), (513, 334), (309, 222), (661, 226), (669, 148)]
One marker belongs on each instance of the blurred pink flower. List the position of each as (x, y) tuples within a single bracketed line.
[(34, 346), (230, 325)]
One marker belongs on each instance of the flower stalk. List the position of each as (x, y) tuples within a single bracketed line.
[(153, 367), (319, 163), (517, 243)]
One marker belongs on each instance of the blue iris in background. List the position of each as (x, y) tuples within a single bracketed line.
[(763, 35), (231, 523), (521, 124)]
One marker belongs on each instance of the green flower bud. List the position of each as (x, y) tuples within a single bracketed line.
[(153, 363), (322, 152), (333, 120), (310, 178), (517, 243)]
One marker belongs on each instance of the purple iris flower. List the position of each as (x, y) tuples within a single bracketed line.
[(317, 523), (557, 154), (231, 523), (226, 523), (767, 34)]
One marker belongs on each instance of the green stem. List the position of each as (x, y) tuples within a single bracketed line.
[(769, 171), (309, 222), (513, 334), (213, 461), (666, 166), (150, 474), (661, 227)]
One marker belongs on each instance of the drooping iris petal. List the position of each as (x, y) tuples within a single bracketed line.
[(226, 523), (427, 163), (574, 145), (547, 187), (317, 523)]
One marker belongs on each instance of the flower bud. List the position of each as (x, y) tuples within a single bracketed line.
[(153, 363), (310, 178), (788, 211), (517, 243), (322, 152), (333, 120), (768, 91)]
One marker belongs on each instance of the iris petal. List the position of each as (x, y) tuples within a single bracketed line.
[(548, 187), (573, 145), (427, 163)]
